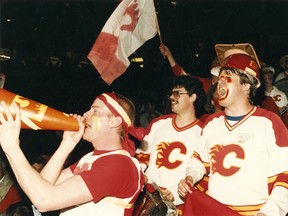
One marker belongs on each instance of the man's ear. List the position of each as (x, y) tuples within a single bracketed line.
[(246, 86), (116, 121), (193, 97), (212, 102)]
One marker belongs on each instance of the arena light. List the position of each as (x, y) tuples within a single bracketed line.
[(5, 54), (137, 59), (4, 57)]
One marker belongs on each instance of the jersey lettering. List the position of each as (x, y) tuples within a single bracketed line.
[(277, 98)]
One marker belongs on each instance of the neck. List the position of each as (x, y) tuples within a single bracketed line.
[(108, 143), (218, 109), (238, 109), (184, 119), (268, 87)]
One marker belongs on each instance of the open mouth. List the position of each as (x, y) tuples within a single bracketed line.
[(222, 91), (173, 102), (87, 125)]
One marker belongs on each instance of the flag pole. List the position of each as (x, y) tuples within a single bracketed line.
[(158, 28)]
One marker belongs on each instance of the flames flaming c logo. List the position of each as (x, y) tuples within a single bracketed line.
[(163, 152), (218, 154)]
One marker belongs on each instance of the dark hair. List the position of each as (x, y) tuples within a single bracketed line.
[(209, 107), (192, 86), (20, 209), (244, 78)]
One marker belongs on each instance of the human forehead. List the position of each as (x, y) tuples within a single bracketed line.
[(178, 88), (99, 105), (228, 72), (265, 72)]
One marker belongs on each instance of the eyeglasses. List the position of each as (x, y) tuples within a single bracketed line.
[(177, 94)]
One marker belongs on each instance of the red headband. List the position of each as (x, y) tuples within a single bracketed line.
[(110, 100)]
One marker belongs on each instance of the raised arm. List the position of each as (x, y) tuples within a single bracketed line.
[(53, 168), (165, 51), (44, 195), (176, 68)]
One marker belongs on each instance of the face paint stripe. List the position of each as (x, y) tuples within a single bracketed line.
[(95, 124)]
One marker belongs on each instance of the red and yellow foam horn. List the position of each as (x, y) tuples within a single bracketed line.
[(38, 116)]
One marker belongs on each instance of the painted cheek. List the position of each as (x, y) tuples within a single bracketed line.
[(95, 123), (222, 87), (228, 79)]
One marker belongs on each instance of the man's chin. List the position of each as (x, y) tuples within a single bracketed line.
[(85, 137)]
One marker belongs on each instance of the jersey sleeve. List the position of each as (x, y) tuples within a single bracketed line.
[(199, 163), (114, 175), (277, 203), (146, 146), (178, 70)]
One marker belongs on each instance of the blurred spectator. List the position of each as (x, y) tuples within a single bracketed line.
[(10, 193), (20, 209), (284, 65), (149, 113), (270, 90), (40, 162), (262, 100), (278, 96), (212, 105)]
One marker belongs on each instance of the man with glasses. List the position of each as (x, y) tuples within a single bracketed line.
[(243, 149), (171, 139)]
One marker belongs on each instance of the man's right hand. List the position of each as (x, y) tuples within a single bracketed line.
[(184, 186), (164, 50), (10, 126), (71, 138)]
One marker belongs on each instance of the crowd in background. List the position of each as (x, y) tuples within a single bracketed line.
[(67, 76)]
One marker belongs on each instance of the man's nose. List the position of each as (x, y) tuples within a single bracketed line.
[(221, 80), (86, 115)]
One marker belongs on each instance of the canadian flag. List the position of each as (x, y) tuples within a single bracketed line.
[(131, 24)]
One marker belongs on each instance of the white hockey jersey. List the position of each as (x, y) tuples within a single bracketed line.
[(166, 152)]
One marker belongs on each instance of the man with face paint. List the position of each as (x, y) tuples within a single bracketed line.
[(104, 182), (171, 139), (243, 148)]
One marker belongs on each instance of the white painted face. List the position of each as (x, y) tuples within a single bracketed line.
[(223, 86), (228, 87)]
